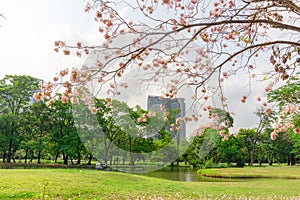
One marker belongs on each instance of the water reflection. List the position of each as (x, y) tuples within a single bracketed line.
[(184, 174)]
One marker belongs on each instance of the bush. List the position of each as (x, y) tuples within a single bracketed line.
[(240, 161), (209, 164)]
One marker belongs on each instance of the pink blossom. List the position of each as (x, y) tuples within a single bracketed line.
[(178, 121), (290, 109), (55, 79), (273, 135), (87, 7), (226, 137), (74, 100), (37, 96), (186, 118), (222, 133), (268, 88), (64, 72), (94, 110), (151, 114), (64, 99), (74, 75), (296, 130), (268, 111)]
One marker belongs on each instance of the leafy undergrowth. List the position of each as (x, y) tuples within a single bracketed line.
[(92, 184)]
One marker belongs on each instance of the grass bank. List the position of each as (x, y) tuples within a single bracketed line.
[(92, 184), (279, 172)]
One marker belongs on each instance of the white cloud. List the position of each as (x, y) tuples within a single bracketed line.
[(27, 40), (27, 35)]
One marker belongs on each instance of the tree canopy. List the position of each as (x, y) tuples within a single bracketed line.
[(194, 43)]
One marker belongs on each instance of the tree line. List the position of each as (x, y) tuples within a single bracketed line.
[(34, 130)]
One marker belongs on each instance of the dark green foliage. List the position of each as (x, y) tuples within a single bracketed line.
[(31, 130)]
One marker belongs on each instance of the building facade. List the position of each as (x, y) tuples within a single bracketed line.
[(154, 104)]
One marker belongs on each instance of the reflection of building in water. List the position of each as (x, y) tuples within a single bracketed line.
[(154, 104)]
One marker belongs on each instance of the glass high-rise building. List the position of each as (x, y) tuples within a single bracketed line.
[(154, 104)]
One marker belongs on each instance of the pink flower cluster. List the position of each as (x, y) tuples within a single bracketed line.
[(202, 127), (284, 122), (45, 91), (224, 135), (145, 116), (214, 124), (280, 128)]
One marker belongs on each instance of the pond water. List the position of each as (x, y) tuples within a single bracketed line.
[(185, 175)]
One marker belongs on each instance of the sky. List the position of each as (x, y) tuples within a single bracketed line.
[(28, 33), (27, 36)]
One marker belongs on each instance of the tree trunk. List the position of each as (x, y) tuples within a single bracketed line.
[(39, 157), (293, 159), (106, 156), (252, 157), (40, 147), (56, 157), (26, 154), (9, 150), (90, 159), (3, 157), (31, 156), (106, 152), (271, 161), (66, 157), (111, 159), (111, 155), (78, 157), (131, 159)]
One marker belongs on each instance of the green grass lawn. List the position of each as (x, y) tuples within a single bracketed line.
[(282, 172), (92, 184)]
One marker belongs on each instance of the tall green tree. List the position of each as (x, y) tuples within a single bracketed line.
[(230, 151), (37, 125), (15, 94), (287, 100), (4, 140), (248, 138), (65, 138)]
